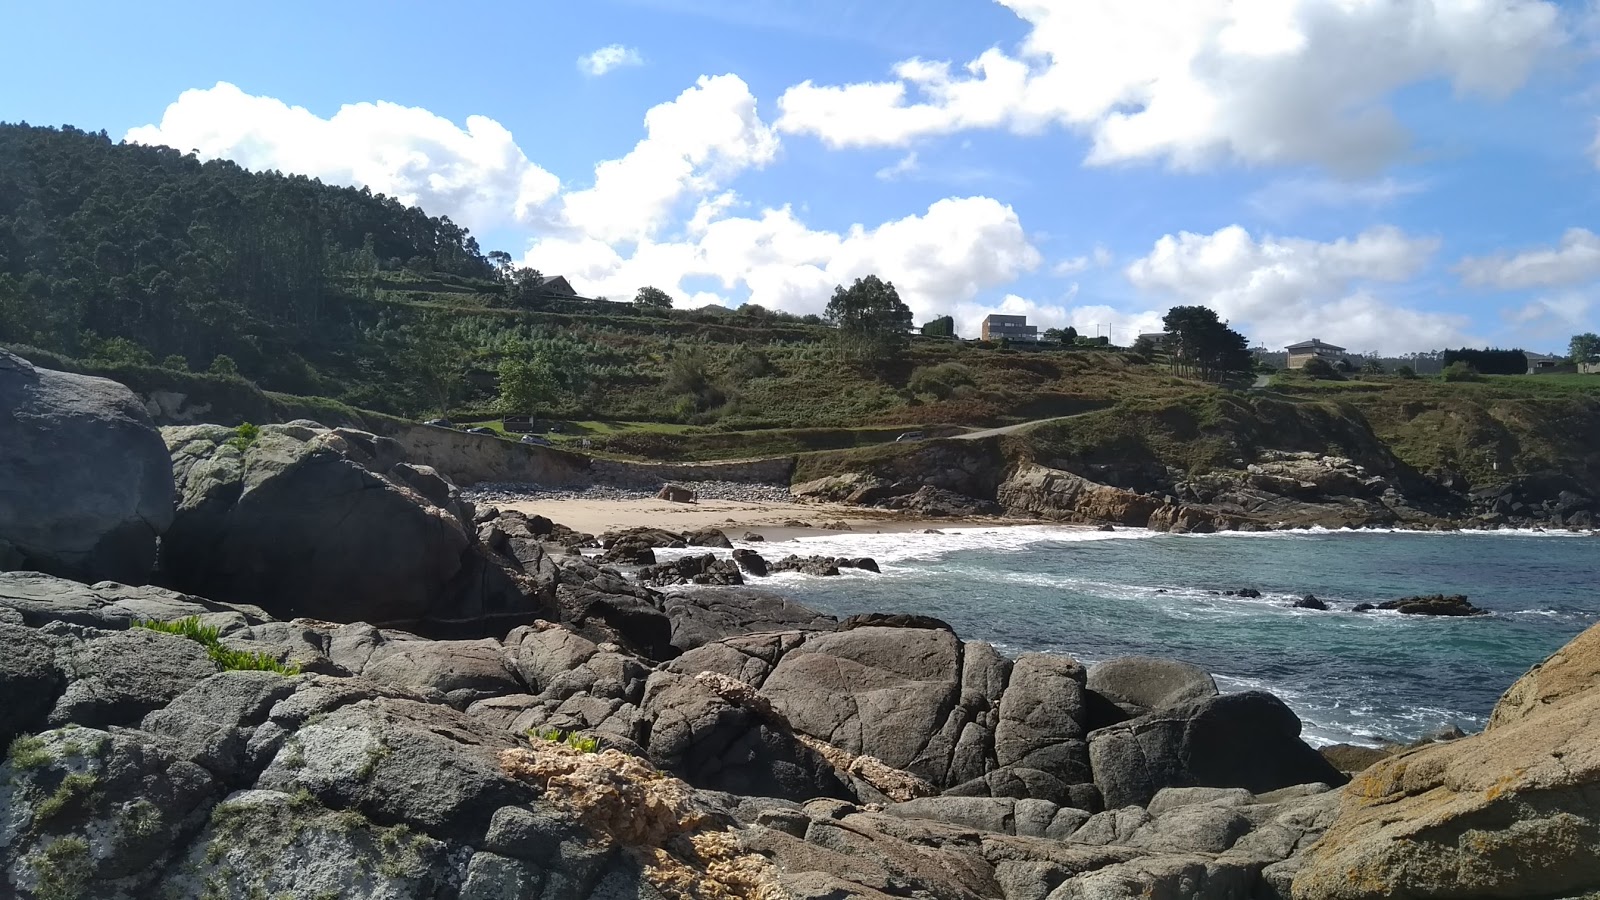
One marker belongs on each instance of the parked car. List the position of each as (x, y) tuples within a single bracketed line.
[(482, 430), (555, 428), (909, 436), (439, 423), (535, 440)]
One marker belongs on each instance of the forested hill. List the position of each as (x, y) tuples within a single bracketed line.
[(102, 241)]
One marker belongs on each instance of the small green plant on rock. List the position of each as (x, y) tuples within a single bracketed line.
[(208, 637), (28, 752), (243, 436), (71, 793), (572, 739), (61, 870)]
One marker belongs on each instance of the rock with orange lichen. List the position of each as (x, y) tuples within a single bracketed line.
[(1512, 812), (685, 849)]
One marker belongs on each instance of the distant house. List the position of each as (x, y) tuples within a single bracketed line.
[(1540, 364), (1155, 337), (1306, 351), (1011, 328), (556, 286)]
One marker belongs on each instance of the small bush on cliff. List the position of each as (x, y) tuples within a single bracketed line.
[(572, 739), (243, 436), (229, 659), (1460, 371)]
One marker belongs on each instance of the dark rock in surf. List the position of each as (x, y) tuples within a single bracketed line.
[(1311, 601)]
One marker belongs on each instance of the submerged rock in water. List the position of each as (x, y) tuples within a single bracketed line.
[(1433, 605)]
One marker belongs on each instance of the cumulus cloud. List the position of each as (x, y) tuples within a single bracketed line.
[(476, 175), (614, 56), (1192, 82), (1576, 260), (937, 260), (693, 144), (1281, 290)]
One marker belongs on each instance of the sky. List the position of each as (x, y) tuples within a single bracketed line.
[(1386, 175)]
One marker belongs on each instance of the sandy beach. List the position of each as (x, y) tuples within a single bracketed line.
[(735, 517)]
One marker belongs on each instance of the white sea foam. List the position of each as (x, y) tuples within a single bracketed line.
[(903, 546)]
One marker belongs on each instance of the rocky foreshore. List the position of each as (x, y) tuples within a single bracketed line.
[(367, 685)]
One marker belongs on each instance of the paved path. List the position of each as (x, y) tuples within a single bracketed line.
[(1007, 429)]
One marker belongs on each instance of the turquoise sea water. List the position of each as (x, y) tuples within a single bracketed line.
[(1350, 676)]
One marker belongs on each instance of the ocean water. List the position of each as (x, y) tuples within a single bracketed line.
[(1356, 677)]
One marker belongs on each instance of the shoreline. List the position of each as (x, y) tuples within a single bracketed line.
[(599, 511)]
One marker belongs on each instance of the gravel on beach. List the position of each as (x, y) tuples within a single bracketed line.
[(508, 492)]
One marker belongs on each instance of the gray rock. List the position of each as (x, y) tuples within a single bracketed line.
[(453, 672), (356, 756), (29, 681), (748, 658), (494, 877), (1194, 829), (1163, 878), (996, 814), (700, 617), (714, 742), (1149, 682), (1171, 798), (316, 527), (1041, 722), (37, 600), (705, 569), (605, 610), (115, 679), (212, 722), (878, 691), (1249, 740), (751, 563), (263, 843), (93, 814), (556, 663), (708, 537), (88, 480)]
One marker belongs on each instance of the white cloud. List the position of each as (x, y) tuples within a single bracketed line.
[(614, 56), (1288, 198), (1100, 258), (937, 261), (1194, 81), (1577, 260), (904, 166), (477, 175), (1280, 290), (693, 144)]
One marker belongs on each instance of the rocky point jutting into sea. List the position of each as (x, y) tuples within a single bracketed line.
[(386, 691)]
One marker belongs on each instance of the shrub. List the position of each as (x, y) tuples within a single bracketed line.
[(243, 436), (175, 363), (208, 637), (941, 381), (572, 739), (1460, 370), (1320, 370), (1405, 371), (223, 364)]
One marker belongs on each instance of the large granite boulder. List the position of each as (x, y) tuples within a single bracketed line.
[(700, 617), (1149, 682), (87, 479), (36, 600), (1249, 740), (718, 733), (1512, 812), (883, 692), (333, 525)]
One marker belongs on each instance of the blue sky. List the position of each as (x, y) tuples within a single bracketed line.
[(1384, 174)]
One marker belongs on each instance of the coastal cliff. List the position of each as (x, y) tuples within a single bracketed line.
[(1242, 463)]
